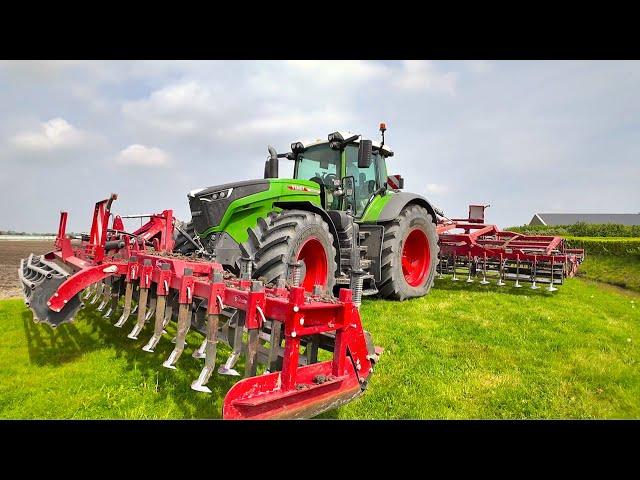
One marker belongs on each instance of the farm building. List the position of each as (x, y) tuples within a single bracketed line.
[(592, 218)]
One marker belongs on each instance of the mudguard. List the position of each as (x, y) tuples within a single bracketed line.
[(399, 200)]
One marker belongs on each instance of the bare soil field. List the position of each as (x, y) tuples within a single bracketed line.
[(11, 251)]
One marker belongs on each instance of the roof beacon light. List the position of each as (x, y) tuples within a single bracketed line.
[(383, 127)]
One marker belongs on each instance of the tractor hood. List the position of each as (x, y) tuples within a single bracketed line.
[(233, 207), (208, 205)]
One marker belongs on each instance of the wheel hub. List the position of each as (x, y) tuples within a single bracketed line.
[(416, 257), (314, 272)]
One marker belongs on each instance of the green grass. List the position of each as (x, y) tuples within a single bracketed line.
[(461, 352), (618, 271)]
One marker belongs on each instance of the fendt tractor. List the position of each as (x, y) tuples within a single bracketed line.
[(276, 268), (338, 219)]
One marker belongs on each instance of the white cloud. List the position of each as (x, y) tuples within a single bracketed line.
[(54, 134), (423, 75), (479, 66), (437, 189), (139, 155)]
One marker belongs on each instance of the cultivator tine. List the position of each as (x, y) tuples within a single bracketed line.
[(210, 354), (184, 318), (210, 343), (105, 296), (128, 293), (484, 280), (517, 284), (500, 281), (454, 278), (87, 292), (551, 288), (97, 293), (199, 353), (184, 321), (469, 279), (227, 368), (152, 308), (161, 303), (145, 283), (115, 297), (254, 336), (274, 346), (534, 272), (159, 324)]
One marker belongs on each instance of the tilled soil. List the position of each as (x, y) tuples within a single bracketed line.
[(11, 251)]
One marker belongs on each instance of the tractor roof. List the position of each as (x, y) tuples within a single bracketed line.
[(386, 149)]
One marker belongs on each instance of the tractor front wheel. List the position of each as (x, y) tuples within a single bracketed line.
[(409, 255), (292, 236)]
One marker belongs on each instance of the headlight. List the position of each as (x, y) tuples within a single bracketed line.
[(214, 196), (223, 194)]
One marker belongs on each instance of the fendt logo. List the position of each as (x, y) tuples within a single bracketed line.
[(302, 188)]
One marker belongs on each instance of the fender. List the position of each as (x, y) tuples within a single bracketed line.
[(399, 200), (310, 207)]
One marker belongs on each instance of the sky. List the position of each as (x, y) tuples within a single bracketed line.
[(523, 136)]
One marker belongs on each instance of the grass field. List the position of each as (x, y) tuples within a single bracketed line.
[(460, 352), (619, 271)]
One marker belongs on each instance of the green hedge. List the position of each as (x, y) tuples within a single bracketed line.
[(606, 246), (581, 230)]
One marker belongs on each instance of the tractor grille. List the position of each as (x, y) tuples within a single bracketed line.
[(209, 214)]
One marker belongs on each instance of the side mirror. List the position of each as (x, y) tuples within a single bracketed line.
[(365, 153)]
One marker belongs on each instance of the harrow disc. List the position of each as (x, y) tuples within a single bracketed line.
[(38, 303)]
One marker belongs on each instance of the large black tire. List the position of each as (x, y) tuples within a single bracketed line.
[(182, 244), (277, 240), (393, 284)]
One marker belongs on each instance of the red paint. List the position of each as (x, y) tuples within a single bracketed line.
[(416, 257), (291, 393), (313, 255)]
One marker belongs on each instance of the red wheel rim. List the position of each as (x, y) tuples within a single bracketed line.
[(416, 257), (313, 255)]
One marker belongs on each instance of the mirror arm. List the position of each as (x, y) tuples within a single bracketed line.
[(344, 143)]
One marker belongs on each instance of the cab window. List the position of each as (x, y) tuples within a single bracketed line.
[(321, 164), (366, 179)]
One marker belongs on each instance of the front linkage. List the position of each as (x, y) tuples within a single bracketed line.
[(278, 320)]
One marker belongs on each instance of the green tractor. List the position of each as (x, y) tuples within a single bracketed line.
[(340, 222)]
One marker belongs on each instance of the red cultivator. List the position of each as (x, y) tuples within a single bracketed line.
[(279, 329), (476, 248)]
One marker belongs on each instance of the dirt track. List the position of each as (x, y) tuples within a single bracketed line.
[(11, 251)]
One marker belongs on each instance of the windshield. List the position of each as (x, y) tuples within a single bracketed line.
[(321, 164)]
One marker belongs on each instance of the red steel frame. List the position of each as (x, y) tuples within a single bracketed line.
[(482, 240), (289, 393)]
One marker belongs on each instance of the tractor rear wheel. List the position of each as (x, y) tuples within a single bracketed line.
[(288, 236), (409, 255)]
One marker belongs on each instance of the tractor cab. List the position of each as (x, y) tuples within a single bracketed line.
[(349, 170)]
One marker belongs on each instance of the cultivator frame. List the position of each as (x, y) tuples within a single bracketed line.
[(477, 247), (277, 320)]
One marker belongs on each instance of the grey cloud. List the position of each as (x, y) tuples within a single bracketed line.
[(523, 136)]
